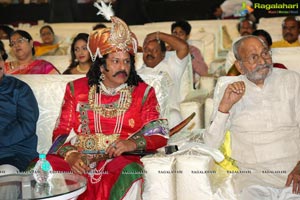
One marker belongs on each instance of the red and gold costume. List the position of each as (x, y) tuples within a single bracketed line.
[(99, 116), (141, 123)]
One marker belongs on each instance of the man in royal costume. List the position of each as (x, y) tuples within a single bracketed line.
[(111, 111)]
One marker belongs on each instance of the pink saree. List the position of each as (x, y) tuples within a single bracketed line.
[(35, 67)]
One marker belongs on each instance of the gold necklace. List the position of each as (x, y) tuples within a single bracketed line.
[(80, 70), (21, 68)]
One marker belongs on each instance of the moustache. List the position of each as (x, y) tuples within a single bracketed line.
[(245, 33), (149, 56), (288, 34), (120, 72), (259, 67)]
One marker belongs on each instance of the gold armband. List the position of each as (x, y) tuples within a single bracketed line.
[(68, 153)]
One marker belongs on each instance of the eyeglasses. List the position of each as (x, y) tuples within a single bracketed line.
[(18, 41), (254, 58)]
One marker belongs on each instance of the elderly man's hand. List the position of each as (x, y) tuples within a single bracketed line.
[(232, 94), (294, 177)]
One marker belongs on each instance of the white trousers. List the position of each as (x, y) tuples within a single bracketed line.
[(135, 191), (268, 193)]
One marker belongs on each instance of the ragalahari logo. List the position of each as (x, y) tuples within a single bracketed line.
[(278, 8), (245, 9)]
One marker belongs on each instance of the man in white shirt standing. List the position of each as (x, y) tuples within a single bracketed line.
[(261, 111), (172, 66)]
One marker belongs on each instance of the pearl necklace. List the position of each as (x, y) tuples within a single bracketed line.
[(114, 109), (110, 110), (98, 173)]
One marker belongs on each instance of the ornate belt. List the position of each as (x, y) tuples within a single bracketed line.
[(93, 147), (93, 143)]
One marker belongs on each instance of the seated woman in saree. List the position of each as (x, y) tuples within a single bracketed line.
[(49, 45), (21, 44), (111, 111), (81, 60)]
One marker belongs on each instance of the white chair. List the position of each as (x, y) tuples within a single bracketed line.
[(287, 56), (49, 91), (60, 62)]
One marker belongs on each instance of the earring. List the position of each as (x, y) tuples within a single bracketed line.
[(102, 77), (76, 60)]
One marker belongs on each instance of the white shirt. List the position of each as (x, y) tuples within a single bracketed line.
[(173, 68), (264, 126)]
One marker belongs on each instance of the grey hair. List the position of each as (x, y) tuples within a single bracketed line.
[(237, 45)]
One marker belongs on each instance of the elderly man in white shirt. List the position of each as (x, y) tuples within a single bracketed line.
[(261, 110), (172, 66)]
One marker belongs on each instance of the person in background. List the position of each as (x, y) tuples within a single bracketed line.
[(5, 31), (235, 8), (290, 33), (3, 53), (182, 29), (49, 45), (80, 56), (244, 27), (112, 111), (216, 11), (21, 44), (172, 67), (18, 117), (266, 37), (99, 26), (231, 9)]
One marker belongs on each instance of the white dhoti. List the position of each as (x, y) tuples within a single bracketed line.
[(268, 193)]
